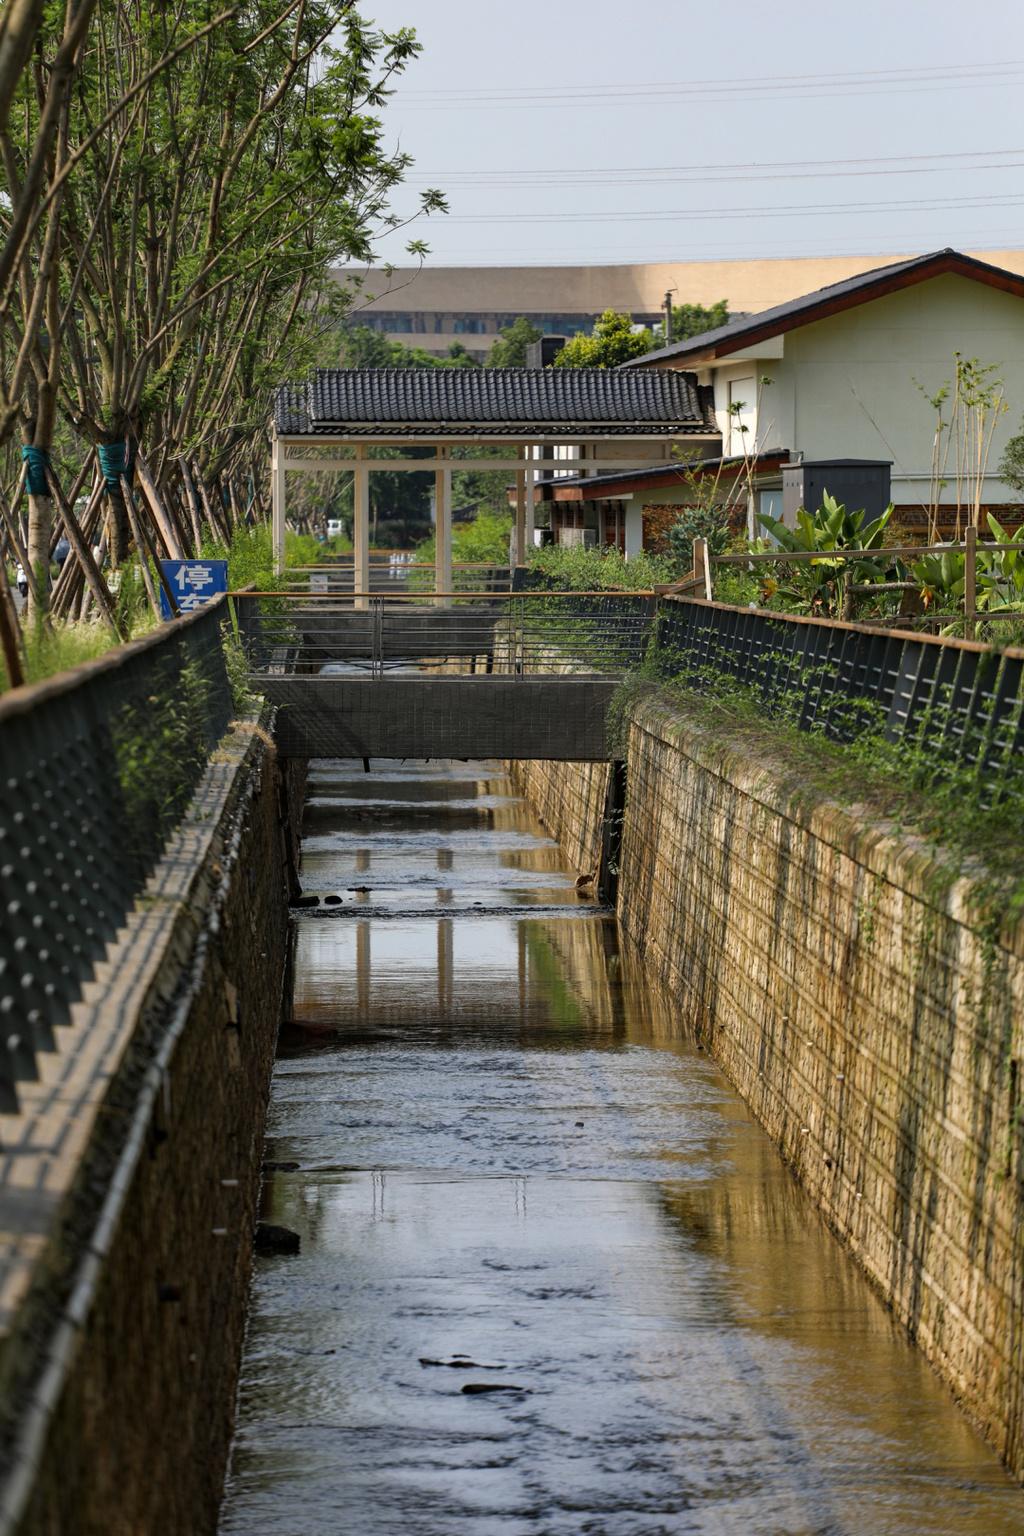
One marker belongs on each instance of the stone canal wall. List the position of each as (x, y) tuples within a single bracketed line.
[(124, 1314), (569, 799), (868, 1006)]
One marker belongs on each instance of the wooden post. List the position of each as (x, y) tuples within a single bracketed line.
[(530, 511), (361, 527), (702, 565), (442, 532), (519, 553), (970, 580), (277, 494)]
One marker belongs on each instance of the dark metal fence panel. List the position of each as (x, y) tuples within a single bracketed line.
[(957, 701), (528, 634), (96, 767)]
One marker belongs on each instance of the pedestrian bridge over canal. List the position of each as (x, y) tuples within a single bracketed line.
[(520, 675)]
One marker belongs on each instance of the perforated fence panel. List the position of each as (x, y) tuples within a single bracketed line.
[(95, 771), (960, 702)]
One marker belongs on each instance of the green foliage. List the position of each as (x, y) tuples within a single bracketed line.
[(160, 755), (699, 522), (819, 586), (1011, 465), (1002, 571), (484, 541), (578, 569), (694, 319), (940, 578), (510, 350), (999, 575), (905, 784), (614, 341), (360, 346)]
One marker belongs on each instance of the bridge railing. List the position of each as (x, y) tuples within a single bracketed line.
[(96, 767), (529, 634), (391, 574)]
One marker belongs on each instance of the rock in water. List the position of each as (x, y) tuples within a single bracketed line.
[(475, 1388), (272, 1240)]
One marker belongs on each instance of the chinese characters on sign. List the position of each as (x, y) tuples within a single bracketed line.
[(193, 583)]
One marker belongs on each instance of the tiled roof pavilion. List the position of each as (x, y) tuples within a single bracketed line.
[(459, 402), (329, 422)]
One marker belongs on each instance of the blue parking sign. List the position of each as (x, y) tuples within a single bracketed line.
[(193, 583)]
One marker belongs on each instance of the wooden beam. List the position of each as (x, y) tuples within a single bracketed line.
[(482, 466), (484, 439)]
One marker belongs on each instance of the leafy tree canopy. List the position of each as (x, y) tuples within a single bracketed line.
[(510, 350), (695, 319), (1011, 465), (614, 341), (363, 347)]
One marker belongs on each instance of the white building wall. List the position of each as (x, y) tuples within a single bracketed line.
[(845, 387)]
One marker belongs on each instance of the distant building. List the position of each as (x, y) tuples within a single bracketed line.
[(437, 306), (830, 389)]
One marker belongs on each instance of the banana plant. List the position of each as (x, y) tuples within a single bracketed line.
[(819, 585), (941, 579), (1001, 571)]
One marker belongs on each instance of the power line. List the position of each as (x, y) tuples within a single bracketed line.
[(747, 82), (655, 94), (769, 211), (453, 183), (974, 240), (750, 170)]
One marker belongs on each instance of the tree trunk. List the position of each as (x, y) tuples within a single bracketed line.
[(40, 529)]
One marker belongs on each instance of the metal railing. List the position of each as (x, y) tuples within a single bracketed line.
[(521, 634), (96, 767), (388, 575), (959, 700), (986, 575)]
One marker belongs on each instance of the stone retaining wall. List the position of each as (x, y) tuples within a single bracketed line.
[(569, 799), (121, 1356), (869, 1008)]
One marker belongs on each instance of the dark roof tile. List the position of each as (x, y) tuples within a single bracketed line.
[(458, 400), (783, 317)]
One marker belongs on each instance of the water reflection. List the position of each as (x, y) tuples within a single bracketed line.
[(498, 1144)]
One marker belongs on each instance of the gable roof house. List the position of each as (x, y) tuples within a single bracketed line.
[(842, 375)]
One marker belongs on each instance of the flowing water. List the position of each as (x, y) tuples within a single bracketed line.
[(512, 1168)]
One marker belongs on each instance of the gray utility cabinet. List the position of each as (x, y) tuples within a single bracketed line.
[(856, 483)]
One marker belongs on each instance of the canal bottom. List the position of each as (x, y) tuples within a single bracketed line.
[(512, 1167)]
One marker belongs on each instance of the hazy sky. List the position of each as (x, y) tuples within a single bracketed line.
[(602, 131)]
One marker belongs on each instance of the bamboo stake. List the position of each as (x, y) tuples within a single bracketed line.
[(10, 634), (71, 580), (80, 545), (142, 548), (970, 579), (14, 534), (193, 502), (72, 495), (214, 519), (170, 534), (172, 601)]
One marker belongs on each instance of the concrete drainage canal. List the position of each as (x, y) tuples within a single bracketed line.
[(552, 1276)]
